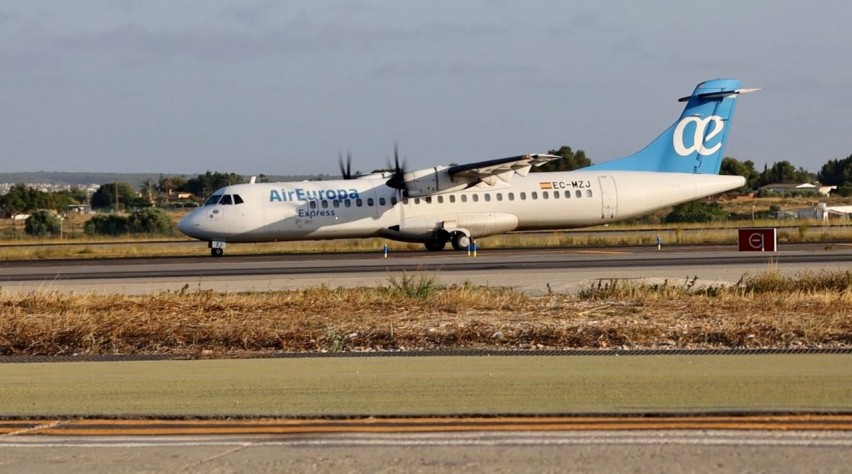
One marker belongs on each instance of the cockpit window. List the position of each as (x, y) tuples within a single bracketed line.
[(237, 199), (226, 199), (212, 200)]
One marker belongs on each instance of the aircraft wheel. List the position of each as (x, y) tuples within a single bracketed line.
[(460, 241), (217, 252), (435, 245)]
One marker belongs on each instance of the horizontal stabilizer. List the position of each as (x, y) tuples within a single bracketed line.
[(718, 95)]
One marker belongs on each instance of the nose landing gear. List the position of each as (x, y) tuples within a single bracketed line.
[(217, 249)]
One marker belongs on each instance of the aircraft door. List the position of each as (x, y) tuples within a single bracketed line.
[(609, 197)]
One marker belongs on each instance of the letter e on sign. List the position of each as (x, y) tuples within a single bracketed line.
[(757, 240)]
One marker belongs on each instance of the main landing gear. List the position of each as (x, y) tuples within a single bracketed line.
[(459, 241)]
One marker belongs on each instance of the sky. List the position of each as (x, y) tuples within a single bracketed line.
[(283, 87)]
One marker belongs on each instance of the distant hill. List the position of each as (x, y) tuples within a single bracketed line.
[(134, 179)]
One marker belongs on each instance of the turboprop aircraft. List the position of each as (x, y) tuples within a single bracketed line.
[(457, 204)]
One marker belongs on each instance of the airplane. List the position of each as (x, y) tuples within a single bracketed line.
[(457, 204)]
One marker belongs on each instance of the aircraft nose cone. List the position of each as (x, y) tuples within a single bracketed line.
[(187, 226)]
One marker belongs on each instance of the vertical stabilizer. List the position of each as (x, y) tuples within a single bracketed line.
[(695, 143)]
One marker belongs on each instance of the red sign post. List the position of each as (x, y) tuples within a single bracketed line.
[(757, 240)]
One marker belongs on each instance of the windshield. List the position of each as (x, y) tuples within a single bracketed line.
[(212, 200)]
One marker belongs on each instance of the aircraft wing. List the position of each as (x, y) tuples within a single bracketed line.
[(502, 168)]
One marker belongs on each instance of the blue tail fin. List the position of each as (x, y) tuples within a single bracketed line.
[(696, 142)]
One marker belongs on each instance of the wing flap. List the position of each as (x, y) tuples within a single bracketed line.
[(501, 169)]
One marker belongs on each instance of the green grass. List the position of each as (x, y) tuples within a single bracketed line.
[(522, 385)]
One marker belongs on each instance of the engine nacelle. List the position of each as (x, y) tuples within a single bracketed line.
[(429, 181)]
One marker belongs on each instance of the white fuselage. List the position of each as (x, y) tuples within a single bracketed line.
[(367, 207)]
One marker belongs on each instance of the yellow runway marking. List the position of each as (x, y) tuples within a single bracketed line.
[(155, 427)]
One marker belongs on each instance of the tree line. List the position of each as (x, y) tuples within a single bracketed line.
[(117, 196)]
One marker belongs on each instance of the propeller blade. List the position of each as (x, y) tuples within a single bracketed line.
[(348, 164), (397, 179), (345, 169)]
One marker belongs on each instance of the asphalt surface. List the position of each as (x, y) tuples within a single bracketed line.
[(560, 451), (531, 270)]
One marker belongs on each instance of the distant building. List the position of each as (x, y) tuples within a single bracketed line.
[(820, 212), (80, 208), (793, 187)]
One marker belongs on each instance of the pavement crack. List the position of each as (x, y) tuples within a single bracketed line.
[(220, 455)]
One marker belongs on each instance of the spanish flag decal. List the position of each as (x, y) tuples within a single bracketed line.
[(545, 185)]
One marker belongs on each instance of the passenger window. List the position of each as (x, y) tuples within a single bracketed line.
[(452, 198), (579, 193), (370, 202), (464, 197), (544, 195), (523, 196), (212, 199), (567, 194), (416, 200), (511, 196), (382, 201), (440, 199), (488, 196), (347, 203), (312, 204), (359, 202), (555, 194), (324, 204), (404, 201), (335, 203), (476, 198), (226, 199), (534, 195), (499, 196), (428, 200), (589, 192), (238, 199)]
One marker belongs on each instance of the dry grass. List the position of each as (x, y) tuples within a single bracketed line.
[(414, 313)]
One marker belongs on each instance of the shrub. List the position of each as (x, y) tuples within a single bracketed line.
[(42, 223), (143, 221), (697, 211), (106, 224), (150, 221)]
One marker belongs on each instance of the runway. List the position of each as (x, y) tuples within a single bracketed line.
[(478, 451), (530, 270)]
